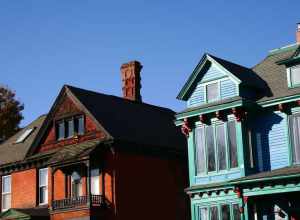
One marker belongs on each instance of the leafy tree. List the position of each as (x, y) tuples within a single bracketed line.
[(10, 113)]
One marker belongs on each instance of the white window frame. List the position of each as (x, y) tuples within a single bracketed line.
[(205, 90), (45, 185), (5, 193)]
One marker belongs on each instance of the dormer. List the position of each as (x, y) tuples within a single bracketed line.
[(214, 80)]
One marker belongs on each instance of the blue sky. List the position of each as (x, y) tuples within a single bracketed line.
[(46, 44)]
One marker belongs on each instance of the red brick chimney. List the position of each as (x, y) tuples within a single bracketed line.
[(298, 33), (131, 80)]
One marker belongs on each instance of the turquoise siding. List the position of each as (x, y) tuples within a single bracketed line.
[(218, 177), (213, 73), (270, 134), (197, 96), (228, 89)]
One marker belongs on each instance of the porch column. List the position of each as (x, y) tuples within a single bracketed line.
[(88, 184)]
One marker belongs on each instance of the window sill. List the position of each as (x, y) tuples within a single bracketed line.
[(215, 173)]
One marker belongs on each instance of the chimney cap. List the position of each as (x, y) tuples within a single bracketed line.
[(298, 26), (131, 63)]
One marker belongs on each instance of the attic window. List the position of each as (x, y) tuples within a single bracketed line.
[(69, 127), (212, 92), (24, 135), (294, 76)]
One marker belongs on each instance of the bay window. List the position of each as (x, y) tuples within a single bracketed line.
[(219, 212), (6, 192), (43, 186), (215, 147)]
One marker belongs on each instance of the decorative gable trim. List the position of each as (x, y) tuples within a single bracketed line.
[(205, 62), (65, 91)]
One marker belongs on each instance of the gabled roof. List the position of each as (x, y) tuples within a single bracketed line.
[(241, 74), (122, 120), (132, 121), (10, 151)]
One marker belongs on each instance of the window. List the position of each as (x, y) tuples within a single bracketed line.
[(211, 157), (69, 127), (76, 187), (43, 186), (218, 212), (24, 135), (95, 185), (200, 150), (214, 213), (221, 146), (295, 75), (203, 213), (295, 129), (212, 92), (215, 147), (232, 144), (6, 192), (60, 130)]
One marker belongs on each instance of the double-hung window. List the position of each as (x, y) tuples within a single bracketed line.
[(295, 130), (6, 192), (43, 186), (76, 186), (215, 147)]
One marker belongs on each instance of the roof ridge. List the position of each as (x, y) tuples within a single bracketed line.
[(121, 99)]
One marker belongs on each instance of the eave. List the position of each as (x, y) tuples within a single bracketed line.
[(206, 110)]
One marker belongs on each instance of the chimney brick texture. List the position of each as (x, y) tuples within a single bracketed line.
[(131, 80)]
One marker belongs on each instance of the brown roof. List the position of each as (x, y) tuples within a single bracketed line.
[(10, 151)]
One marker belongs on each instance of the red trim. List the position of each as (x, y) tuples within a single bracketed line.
[(185, 128)]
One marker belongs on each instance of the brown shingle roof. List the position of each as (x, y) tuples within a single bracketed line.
[(12, 152)]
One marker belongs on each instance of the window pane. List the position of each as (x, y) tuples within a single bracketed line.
[(212, 92), (6, 201), (60, 130), (214, 213), (210, 149), (236, 212), (70, 128), (225, 212), (43, 177), (295, 75), (203, 212), (95, 185), (232, 144), (221, 144), (43, 193), (200, 153), (296, 140), (80, 125), (6, 184)]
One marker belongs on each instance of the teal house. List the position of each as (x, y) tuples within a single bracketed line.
[(243, 131)]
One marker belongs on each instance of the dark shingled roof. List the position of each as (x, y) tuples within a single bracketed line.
[(12, 152), (275, 75), (246, 75), (132, 121)]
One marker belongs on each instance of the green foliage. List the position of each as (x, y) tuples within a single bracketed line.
[(10, 113)]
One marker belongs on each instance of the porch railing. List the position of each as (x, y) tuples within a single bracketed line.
[(73, 202)]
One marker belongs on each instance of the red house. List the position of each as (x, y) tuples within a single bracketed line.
[(96, 156)]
